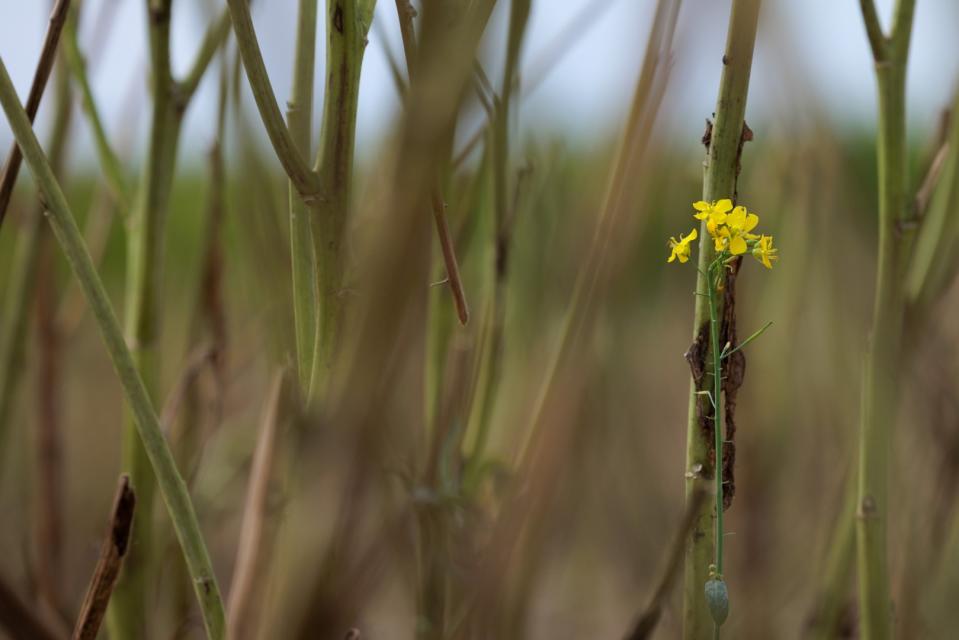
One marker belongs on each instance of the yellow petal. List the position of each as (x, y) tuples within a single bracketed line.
[(751, 221), (692, 236), (737, 218), (701, 206), (724, 205), (737, 246)]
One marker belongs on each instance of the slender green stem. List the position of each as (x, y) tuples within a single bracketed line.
[(129, 605), (145, 239), (19, 286), (13, 327), (299, 115), (880, 397), (295, 165), (112, 167), (717, 410), (214, 38), (171, 485), (719, 181)]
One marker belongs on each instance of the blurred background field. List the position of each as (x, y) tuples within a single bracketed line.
[(597, 546)]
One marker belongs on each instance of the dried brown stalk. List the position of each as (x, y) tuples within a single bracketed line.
[(112, 552)]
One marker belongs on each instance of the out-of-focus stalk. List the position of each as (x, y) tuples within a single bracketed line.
[(503, 227), (299, 117), (879, 396), (145, 248), (109, 162), (171, 485), (719, 181), (128, 607)]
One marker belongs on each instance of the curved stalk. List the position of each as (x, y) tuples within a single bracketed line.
[(296, 167), (879, 396)]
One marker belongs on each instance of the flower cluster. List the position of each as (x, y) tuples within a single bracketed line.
[(731, 231)]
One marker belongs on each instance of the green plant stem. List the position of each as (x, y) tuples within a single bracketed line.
[(20, 287), (716, 270), (171, 485), (112, 167), (502, 234), (15, 305), (299, 119), (214, 38), (128, 607), (834, 599), (880, 397), (719, 181), (296, 167), (348, 23)]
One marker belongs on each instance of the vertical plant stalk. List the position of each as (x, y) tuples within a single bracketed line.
[(143, 289), (719, 181), (716, 271), (171, 485), (347, 24), (127, 616), (503, 230), (23, 269), (109, 162), (879, 397), (299, 115), (243, 589), (48, 486)]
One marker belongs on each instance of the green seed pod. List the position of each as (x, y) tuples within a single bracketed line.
[(717, 598)]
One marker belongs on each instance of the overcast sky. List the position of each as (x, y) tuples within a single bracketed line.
[(813, 55)]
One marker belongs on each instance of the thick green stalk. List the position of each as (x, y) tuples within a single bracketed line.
[(299, 115), (720, 173), (129, 605), (348, 22), (171, 485), (880, 397)]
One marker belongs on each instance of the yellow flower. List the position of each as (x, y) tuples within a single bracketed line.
[(765, 252), (681, 247), (738, 225), (713, 212)]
